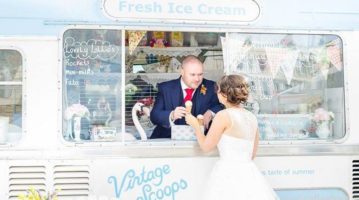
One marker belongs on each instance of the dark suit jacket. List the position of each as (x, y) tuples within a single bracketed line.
[(170, 96)]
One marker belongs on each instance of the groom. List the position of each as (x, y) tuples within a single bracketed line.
[(169, 104)]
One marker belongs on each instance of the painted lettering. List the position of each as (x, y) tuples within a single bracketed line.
[(179, 9), (219, 10), (152, 182), (153, 7)]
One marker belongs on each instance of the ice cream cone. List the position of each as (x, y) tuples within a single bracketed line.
[(188, 106)]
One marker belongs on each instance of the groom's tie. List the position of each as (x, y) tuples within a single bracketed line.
[(188, 97)]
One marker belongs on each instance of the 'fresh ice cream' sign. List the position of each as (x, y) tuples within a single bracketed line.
[(207, 12)]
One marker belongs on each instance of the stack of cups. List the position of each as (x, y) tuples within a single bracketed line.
[(200, 120)]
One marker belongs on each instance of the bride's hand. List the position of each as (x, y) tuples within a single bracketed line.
[(191, 120)]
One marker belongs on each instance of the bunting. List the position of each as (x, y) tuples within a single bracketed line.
[(134, 38), (288, 64), (334, 54), (275, 58)]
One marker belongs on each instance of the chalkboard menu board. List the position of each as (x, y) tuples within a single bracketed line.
[(92, 82)]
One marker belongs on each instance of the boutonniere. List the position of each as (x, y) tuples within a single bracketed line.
[(203, 90)]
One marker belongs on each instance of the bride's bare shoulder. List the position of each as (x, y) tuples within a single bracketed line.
[(221, 115)]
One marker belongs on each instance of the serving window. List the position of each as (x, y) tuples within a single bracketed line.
[(155, 56), (93, 84), (10, 96), (296, 80)]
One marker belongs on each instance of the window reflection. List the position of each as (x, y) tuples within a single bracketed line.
[(295, 79), (10, 96), (92, 85)]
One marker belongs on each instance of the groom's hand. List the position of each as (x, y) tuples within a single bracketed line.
[(207, 117), (178, 113)]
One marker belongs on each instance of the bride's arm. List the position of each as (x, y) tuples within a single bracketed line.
[(219, 125), (255, 146)]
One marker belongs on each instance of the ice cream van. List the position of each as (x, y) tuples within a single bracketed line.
[(78, 80)]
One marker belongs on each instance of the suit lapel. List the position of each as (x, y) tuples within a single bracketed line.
[(177, 94), (197, 100)]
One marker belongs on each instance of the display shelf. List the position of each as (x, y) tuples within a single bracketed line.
[(173, 51)]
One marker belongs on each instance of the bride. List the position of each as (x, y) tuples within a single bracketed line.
[(235, 132)]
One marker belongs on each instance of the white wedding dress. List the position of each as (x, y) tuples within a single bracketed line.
[(235, 176)]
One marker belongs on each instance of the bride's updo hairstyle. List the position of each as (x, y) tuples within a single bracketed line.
[(235, 88)]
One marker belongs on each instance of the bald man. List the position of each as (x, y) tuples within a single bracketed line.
[(169, 106)]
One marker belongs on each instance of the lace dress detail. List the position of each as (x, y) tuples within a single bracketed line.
[(235, 176)]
